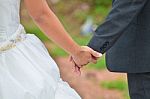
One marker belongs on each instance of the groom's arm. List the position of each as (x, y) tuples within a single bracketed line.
[(119, 18)]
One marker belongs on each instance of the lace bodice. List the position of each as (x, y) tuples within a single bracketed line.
[(9, 18)]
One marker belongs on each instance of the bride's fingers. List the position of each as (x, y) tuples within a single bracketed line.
[(95, 58), (73, 63), (77, 70), (70, 58), (94, 61)]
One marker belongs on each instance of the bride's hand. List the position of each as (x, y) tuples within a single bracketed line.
[(84, 56), (76, 68)]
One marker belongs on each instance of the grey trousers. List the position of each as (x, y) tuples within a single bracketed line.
[(139, 85)]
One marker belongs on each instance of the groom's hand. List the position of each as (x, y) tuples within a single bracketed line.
[(84, 56)]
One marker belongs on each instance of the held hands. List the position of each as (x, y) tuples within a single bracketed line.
[(84, 56)]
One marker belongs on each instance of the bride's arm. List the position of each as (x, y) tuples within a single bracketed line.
[(49, 23)]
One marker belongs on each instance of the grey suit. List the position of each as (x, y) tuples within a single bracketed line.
[(125, 37)]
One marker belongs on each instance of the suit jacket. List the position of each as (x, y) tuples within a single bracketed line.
[(125, 37)]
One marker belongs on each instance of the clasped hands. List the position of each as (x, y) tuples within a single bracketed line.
[(84, 56)]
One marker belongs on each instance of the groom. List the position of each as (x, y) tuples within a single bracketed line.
[(125, 37)]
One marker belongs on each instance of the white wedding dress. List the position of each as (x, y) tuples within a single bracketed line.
[(26, 69)]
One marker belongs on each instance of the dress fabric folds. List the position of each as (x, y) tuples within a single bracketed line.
[(27, 71)]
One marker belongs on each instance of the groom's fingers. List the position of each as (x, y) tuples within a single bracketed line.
[(96, 54)]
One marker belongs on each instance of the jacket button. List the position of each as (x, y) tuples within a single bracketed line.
[(107, 43)]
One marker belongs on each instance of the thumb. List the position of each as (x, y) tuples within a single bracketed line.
[(96, 54)]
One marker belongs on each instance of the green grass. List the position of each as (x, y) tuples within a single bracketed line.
[(101, 10), (126, 94), (101, 64), (117, 85), (35, 30), (58, 52)]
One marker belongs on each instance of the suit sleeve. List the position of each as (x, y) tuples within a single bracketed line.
[(121, 15)]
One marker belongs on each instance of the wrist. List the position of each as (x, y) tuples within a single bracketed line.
[(75, 50)]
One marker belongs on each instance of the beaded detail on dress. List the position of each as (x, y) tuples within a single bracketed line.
[(18, 36)]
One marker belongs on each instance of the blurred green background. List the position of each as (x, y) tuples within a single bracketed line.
[(73, 14)]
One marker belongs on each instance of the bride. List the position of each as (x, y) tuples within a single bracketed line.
[(26, 69)]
